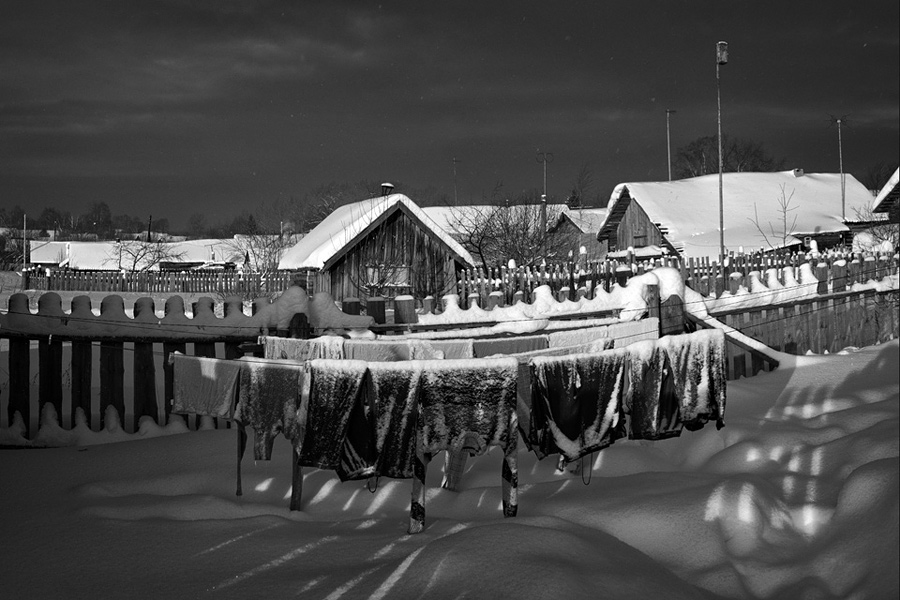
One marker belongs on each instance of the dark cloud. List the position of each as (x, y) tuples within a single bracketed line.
[(218, 106)]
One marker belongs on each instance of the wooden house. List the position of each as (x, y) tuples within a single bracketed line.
[(579, 226), (383, 246), (762, 211), (888, 199)]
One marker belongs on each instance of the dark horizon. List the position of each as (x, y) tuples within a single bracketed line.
[(170, 109)]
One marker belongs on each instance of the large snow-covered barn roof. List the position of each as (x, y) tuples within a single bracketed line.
[(689, 208), (337, 232), (888, 193)]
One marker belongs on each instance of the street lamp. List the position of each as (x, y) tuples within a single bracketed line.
[(669, 111), (721, 59)]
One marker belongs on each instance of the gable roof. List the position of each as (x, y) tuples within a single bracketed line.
[(587, 220), (888, 194), (347, 224), (688, 209)]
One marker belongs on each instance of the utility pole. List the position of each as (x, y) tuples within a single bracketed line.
[(842, 120), (544, 157), (455, 160), (721, 59), (669, 111)]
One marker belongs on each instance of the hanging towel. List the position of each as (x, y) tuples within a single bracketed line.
[(376, 350), (424, 350), (651, 400), (335, 388), (269, 401), (466, 405), (576, 402), (204, 386), (698, 371), (394, 391), (326, 346), (390, 351), (508, 345), (575, 337), (454, 349)]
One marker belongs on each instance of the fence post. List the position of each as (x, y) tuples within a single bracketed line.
[(822, 276), (375, 309), (112, 362), (405, 309), (50, 357), (144, 371), (351, 306), (653, 303)]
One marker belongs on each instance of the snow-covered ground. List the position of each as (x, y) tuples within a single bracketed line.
[(797, 497)]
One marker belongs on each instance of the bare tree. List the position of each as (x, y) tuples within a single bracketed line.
[(496, 234), (701, 157), (141, 255), (880, 235), (786, 223)]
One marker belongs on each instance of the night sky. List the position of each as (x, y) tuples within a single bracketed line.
[(177, 107)]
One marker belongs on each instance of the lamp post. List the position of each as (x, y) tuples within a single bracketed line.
[(669, 111), (721, 59)]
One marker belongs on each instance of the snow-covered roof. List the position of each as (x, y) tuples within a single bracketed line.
[(587, 220), (689, 208), (447, 216), (104, 256), (337, 231), (882, 202)]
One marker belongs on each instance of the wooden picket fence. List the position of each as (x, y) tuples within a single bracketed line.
[(221, 283)]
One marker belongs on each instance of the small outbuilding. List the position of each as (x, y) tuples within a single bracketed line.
[(381, 246)]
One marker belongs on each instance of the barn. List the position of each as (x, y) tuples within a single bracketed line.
[(383, 246), (761, 211)]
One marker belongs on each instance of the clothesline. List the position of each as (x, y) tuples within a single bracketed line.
[(366, 419)]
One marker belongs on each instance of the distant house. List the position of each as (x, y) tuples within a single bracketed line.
[(888, 199), (764, 211), (382, 246), (581, 226), (128, 256)]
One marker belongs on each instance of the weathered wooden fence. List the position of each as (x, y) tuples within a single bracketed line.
[(825, 324), (77, 359)]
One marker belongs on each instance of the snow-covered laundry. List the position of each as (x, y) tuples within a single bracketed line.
[(454, 349), (204, 386), (326, 346), (466, 405), (389, 350), (698, 369), (335, 388), (393, 389), (269, 401), (576, 402), (484, 347), (523, 386), (574, 337), (651, 401)]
